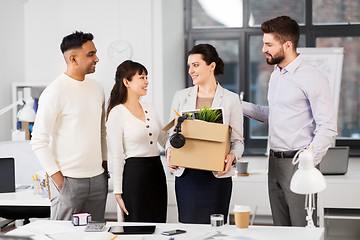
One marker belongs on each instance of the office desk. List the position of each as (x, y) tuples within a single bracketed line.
[(23, 204), (46, 229), (23, 198), (338, 205), (341, 198)]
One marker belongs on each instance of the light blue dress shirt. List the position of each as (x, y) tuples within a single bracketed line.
[(301, 109)]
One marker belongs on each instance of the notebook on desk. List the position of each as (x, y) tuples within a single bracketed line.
[(335, 161)]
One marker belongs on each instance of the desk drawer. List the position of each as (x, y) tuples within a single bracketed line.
[(342, 196), (253, 194), (247, 193)]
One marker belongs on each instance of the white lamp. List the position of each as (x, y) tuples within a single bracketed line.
[(307, 180), (26, 113)]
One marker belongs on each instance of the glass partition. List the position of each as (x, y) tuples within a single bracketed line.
[(262, 10), (216, 13), (336, 11)]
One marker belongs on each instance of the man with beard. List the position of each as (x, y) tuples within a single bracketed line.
[(300, 115)]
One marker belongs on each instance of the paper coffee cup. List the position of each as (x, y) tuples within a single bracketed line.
[(242, 216)]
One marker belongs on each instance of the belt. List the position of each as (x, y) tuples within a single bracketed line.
[(286, 154)]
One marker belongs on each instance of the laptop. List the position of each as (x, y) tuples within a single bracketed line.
[(335, 161), (7, 173)]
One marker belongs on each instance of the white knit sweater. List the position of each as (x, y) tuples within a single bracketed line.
[(69, 133)]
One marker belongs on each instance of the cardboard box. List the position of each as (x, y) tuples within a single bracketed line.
[(206, 145)]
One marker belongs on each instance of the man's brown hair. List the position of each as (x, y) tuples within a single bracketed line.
[(283, 28)]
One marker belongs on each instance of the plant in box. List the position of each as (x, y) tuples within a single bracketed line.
[(206, 144), (206, 114), (209, 115)]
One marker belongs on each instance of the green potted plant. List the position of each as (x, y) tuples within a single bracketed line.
[(209, 115)]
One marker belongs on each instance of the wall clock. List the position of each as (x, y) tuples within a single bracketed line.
[(119, 51)]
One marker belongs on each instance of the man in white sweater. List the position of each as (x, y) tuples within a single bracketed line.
[(69, 135)]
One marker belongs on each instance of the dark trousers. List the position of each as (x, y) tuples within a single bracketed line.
[(199, 194), (287, 207)]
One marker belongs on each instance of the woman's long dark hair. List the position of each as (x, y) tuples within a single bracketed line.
[(127, 70)]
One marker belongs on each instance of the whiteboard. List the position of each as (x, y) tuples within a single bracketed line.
[(330, 62)]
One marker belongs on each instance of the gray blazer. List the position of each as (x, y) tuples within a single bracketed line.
[(233, 115)]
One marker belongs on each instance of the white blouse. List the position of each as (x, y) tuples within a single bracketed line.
[(128, 137)]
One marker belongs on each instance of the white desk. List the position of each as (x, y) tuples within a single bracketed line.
[(65, 230), (23, 198), (340, 194), (23, 204), (338, 205)]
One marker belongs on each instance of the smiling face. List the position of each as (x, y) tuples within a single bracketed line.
[(273, 49), (138, 84), (86, 58), (199, 71)]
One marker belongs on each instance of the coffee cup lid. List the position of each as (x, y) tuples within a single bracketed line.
[(241, 208)]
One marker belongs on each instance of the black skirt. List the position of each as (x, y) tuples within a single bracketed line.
[(144, 190), (199, 194)]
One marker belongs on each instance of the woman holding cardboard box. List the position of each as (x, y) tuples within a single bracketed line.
[(133, 130), (200, 193)]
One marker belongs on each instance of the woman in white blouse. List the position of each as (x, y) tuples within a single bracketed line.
[(133, 130)]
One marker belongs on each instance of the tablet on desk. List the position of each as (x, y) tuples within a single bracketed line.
[(146, 229)]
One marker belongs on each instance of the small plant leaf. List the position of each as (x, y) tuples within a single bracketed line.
[(208, 115)]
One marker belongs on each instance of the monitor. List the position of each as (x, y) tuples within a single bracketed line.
[(335, 161), (7, 173)]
